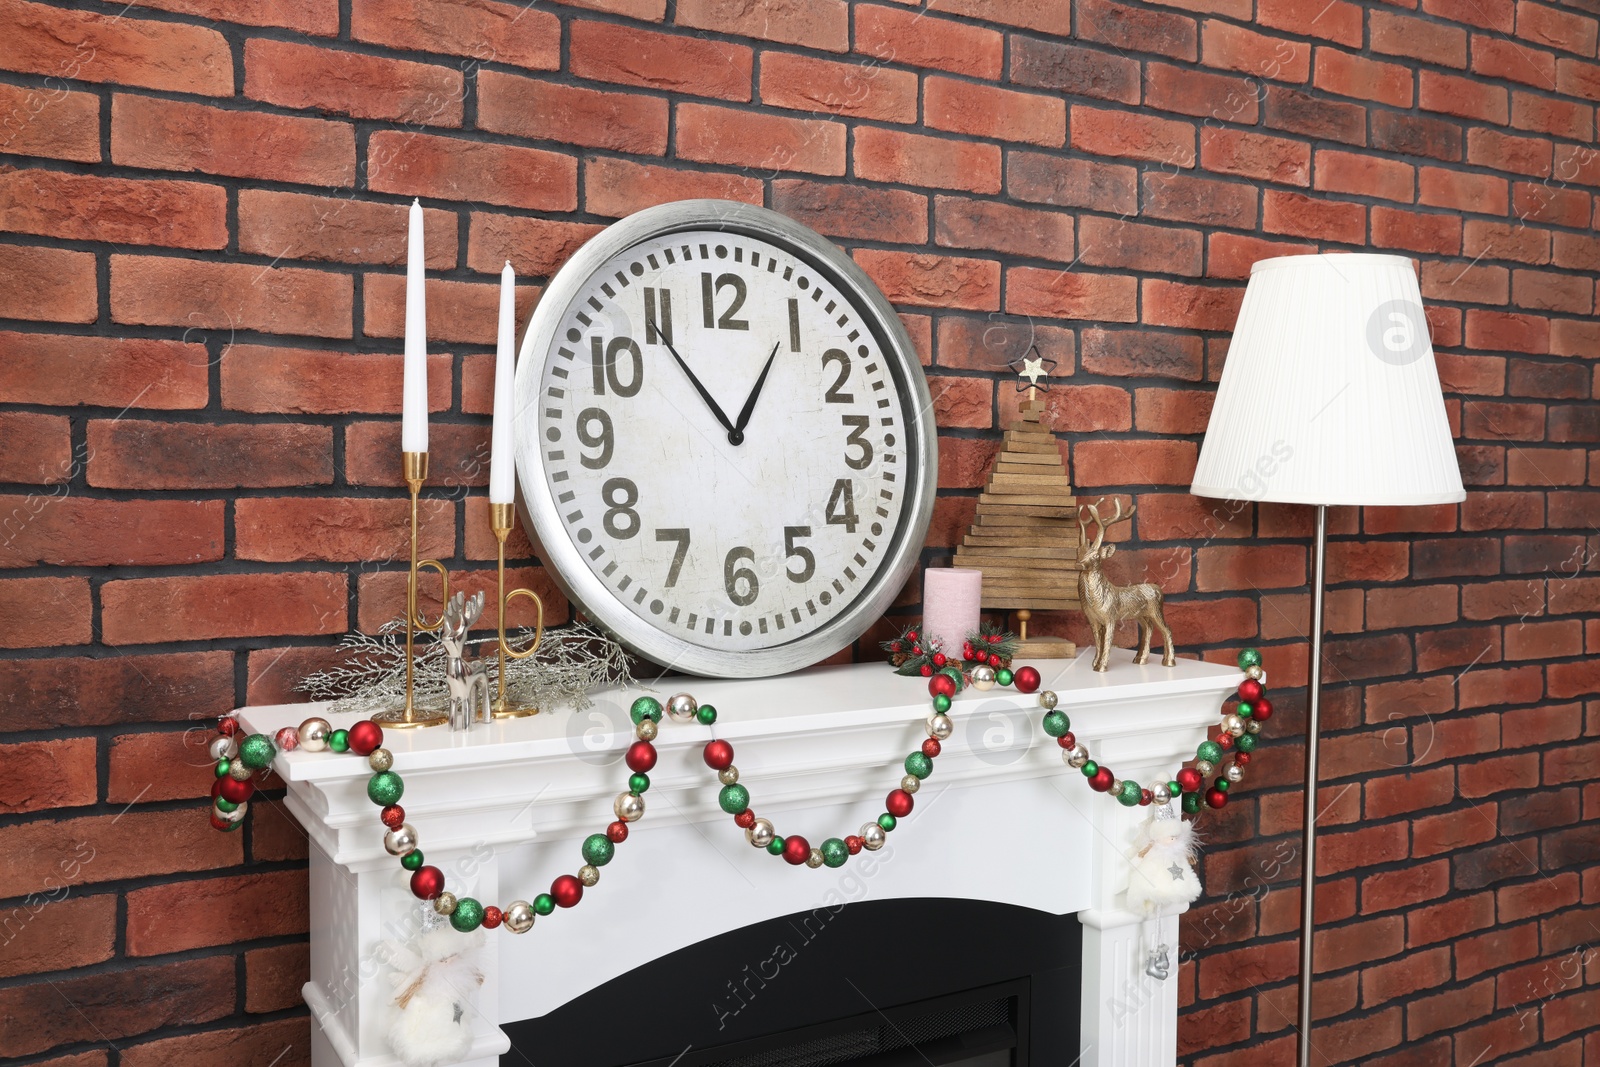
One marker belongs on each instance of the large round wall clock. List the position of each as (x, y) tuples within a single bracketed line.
[(725, 443)]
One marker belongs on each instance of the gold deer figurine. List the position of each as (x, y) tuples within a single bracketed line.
[(1106, 604)]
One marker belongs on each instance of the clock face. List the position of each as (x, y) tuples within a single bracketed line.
[(727, 443)]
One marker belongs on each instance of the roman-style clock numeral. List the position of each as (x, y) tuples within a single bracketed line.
[(657, 316), (709, 291)]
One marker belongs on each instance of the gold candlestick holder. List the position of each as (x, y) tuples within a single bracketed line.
[(502, 519), (407, 717)]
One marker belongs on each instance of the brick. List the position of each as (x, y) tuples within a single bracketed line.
[(1564, 30), (568, 114), (1042, 15), (1254, 155), (64, 691), (86, 208), (865, 213), (1231, 255), (983, 111), (1246, 967), (1404, 35), (1500, 57), (918, 39), (486, 31), (1075, 409), (1487, 866), (1076, 71), (451, 168), (1139, 354), (1314, 116), (311, 77), (1544, 291), (1467, 97), (1490, 14), (615, 187), (284, 530), (1507, 331), (1544, 640), (1231, 47), (1500, 151), (1405, 887), (88, 46), (1449, 920), (177, 136), (1416, 135), (1502, 511), (1214, 1026), (1455, 557), (1574, 679), (1573, 77), (628, 55), (1436, 518), (274, 976), (1400, 978), (460, 457), (1219, 97), (159, 922), (49, 855), (63, 371), (1107, 242), (115, 1004), (1071, 294), (803, 83), (287, 1039), (1115, 463), (1411, 607), (136, 454), (1337, 21), (36, 449), (1194, 307), (1505, 773), (457, 311), (284, 225), (924, 280), (51, 122), (1543, 202), (941, 163), (1542, 554), (1131, 135), (1046, 179), (76, 531), (1567, 848), (317, 17), (44, 775), (1447, 1011), (53, 932), (1559, 117), (820, 24), (1504, 421), (382, 598), (1364, 79), (150, 610), (1350, 172), (998, 227), (971, 342), (51, 284), (1131, 29), (142, 765), (1491, 951), (534, 247), (41, 612), (1238, 567)]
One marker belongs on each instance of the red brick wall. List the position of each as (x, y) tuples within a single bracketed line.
[(199, 375)]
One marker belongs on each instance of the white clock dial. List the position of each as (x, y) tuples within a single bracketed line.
[(723, 442)]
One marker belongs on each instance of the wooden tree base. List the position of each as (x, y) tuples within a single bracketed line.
[(1044, 648)]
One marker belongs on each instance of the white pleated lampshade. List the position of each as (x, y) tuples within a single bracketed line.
[(1330, 394)]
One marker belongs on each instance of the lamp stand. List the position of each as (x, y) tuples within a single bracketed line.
[(1308, 847)]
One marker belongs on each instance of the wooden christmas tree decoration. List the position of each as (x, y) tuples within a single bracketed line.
[(1026, 538)]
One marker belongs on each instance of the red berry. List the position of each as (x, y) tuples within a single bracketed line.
[(1101, 782), (566, 891), (365, 737), (853, 843), (1250, 690), (1263, 710), (939, 659), (898, 803), (1189, 779), (916, 650), (641, 756), (911, 635), (617, 832), (942, 685), (1026, 679), (745, 819), (394, 816), (718, 755), (927, 671), (931, 747), (994, 659), (993, 639), (427, 883), (796, 850), (491, 917), (1216, 797)]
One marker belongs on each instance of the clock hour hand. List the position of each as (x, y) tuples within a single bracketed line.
[(734, 436), (750, 402)]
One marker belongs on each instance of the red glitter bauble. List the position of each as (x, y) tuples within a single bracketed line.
[(394, 816), (427, 883), (796, 850), (287, 739), (1242, 759), (1189, 779), (941, 685), (1026, 679), (1216, 797), (745, 819), (931, 747), (719, 755), (853, 843), (1067, 740), (898, 803), (641, 756), (1250, 690), (1225, 742), (365, 737), (994, 659), (1262, 710), (236, 791), (566, 891), (1145, 796), (617, 832), (1101, 781), (491, 917), (227, 726), (218, 822), (927, 671), (939, 659)]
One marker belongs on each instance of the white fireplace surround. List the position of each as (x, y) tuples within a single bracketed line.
[(502, 809)]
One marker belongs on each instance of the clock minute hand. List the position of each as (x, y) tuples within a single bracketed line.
[(755, 391), (706, 396)]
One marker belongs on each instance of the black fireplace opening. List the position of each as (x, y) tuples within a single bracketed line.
[(926, 982)]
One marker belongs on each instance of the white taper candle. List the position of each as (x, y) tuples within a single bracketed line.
[(502, 467), (414, 411)]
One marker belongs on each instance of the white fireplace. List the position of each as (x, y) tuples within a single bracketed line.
[(502, 809)]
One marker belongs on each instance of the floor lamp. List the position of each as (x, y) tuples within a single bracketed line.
[(1329, 397)]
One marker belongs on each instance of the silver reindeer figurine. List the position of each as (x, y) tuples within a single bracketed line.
[(1107, 604), (468, 679)]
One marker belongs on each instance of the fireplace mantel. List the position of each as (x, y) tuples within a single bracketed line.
[(502, 808)]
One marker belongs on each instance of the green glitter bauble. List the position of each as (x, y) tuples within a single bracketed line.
[(257, 751), (1130, 793), (1056, 723), (598, 850), (919, 764), (638, 783), (1003, 676), (339, 741), (224, 804), (734, 799), (887, 821), (1245, 742), (1089, 768), (1191, 803), (412, 861), (1249, 658), (385, 788), (645, 708), (222, 767), (1209, 751), (941, 703), (835, 852), (544, 904), (468, 915), (775, 846), (706, 715)]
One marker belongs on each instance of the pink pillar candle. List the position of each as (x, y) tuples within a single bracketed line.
[(951, 599)]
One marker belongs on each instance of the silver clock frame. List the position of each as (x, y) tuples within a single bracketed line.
[(566, 564)]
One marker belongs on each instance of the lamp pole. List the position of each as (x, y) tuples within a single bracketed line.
[(1308, 831)]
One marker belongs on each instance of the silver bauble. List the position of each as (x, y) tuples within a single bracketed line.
[(1255, 672), (983, 678), (231, 816), (729, 775), (872, 836), (760, 833), (444, 903), (1204, 767), (589, 874), (238, 771), (1075, 757), (314, 734), (814, 858), (400, 840), (681, 707), (224, 748), (1047, 699), (911, 783), (1159, 793), (629, 807), (1252, 727), (1233, 773), (519, 917), (1232, 724), (380, 759), (647, 729), (940, 727)]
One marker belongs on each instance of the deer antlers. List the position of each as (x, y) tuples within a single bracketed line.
[(1094, 515)]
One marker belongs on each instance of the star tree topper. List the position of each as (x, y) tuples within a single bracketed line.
[(1033, 366)]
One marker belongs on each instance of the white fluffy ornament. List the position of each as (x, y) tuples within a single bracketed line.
[(436, 976), (1162, 863)]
